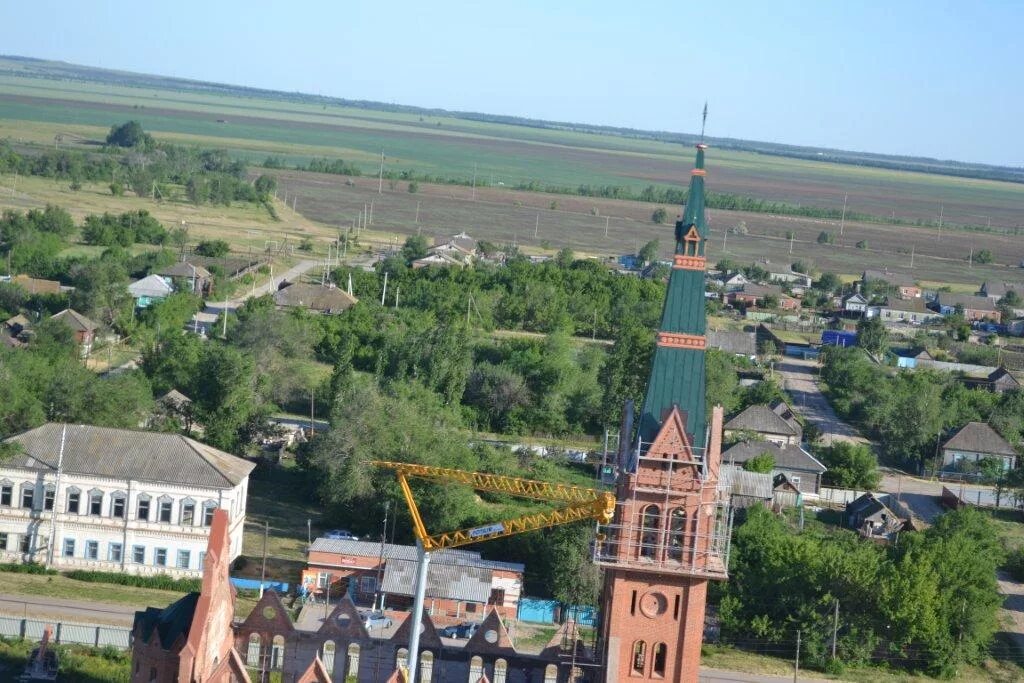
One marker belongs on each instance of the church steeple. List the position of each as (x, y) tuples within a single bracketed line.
[(677, 373)]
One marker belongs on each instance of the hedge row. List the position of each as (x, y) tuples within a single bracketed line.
[(26, 568), (161, 582)]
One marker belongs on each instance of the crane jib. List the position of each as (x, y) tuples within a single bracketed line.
[(486, 530)]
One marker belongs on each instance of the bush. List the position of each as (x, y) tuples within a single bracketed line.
[(862, 244), (212, 248), (1015, 564), (161, 582), (659, 215), (26, 568)]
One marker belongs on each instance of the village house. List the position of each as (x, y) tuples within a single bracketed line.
[(791, 277), (998, 381), (326, 299), (187, 277), (855, 303), (734, 282), (997, 289), (799, 467), (899, 284), (755, 295), (775, 423), (460, 582), (34, 285), (736, 342), (116, 500), (974, 307), (975, 441), (871, 517), (150, 290), (83, 329), (440, 259), (907, 311)]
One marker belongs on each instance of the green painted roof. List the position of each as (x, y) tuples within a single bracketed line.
[(677, 375)]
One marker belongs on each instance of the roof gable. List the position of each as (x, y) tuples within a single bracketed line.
[(344, 622), (428, 636), (75, 320), (269, 615), (763, 420), (791, 457), (978, 437), (492, 637)]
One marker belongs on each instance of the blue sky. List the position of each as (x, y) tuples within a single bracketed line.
[(934, 78)]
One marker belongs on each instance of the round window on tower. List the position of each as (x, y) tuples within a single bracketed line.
[(653, 604)]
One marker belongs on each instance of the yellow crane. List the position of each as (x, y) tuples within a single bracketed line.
[(577, 503)]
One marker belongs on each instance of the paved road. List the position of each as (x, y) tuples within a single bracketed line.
[(215, 308), (800, 380), (34, 607)]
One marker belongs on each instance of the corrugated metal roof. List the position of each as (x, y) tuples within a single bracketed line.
[(978, 437), (452, 581), (738, 482), (394, 551), (126, 454), (789, 457), (763, 420), (151, 285)]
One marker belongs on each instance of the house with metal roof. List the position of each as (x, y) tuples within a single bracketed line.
[(150, 290), (460, 582), (83, 329), (776, 423), (974, 442), (900, 284), (973, 307), (326, 299), (84, 497), (800, 467)]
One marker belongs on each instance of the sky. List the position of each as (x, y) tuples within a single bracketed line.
[(927, 78)]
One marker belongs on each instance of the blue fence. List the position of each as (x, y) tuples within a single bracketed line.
[(551, 612), (254, 585)]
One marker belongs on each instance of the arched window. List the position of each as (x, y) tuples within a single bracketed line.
[(353, 660), (277, 653), (252, 655), (551, 674), (639, 657), (118, 504), (328, 656), (402, 658), (677, 535), (74, 500), (188, 512), (500, 670), (142, 507), (649, 527), (208, 508), (95, 502), (49, 496), (658, 660), (426, 666), (476, 669)]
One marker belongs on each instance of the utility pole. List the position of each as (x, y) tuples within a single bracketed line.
[(371, 213), (842, 221), (398, 290), (384, 292), (835, 629), (941, 207), (725, 238), (309, 531), (224, 313), (380, 178), (312, 413), (606, 227), (380, 559), (474, 181), (263, 571), (791, 237), (536, 226), (911, 255), (417, 212), (796, 662)]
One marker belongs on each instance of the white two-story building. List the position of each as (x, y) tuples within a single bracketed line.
[(82, 497)]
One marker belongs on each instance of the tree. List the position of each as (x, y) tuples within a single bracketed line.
[(564, 257), (659, 215), (850, 466), (984, 256), (129, 134), (414, 187), (872, 336), (649, 251), (763, 463), (829, 282), (415, 248), (213, 248)]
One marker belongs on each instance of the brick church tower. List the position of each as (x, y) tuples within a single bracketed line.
[(670, 533)]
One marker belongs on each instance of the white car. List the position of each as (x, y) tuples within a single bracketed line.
[(341, 535)]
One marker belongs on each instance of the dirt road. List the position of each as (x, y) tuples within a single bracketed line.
[(800, 380)]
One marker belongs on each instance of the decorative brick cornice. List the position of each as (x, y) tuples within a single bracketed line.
[(689, 262), (680, 340)]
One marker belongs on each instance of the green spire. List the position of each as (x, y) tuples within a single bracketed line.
[(677, 373)]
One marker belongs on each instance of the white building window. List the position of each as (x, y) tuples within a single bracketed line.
[(118, 504), (6, 492), (4, 540), (277, 652), (69, 547), (49, 495), (208, 509), (28, 492), (26, 543), (184, 559), (95, 503), (92, 550), (166, 506), (160, 557), (188, 512), (114, 552), (142, 510), (139, 554), (74, 500)]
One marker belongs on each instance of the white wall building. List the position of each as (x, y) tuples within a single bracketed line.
[(124, 501)]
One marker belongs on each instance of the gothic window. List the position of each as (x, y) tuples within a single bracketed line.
[(639, 657), (402, 658), (649, 526), (677, 536), (500, 671), (658, 661), (252, 654), (551, 674), (476, 669), (277, 652), (328, 657), (426, 666), (353, 660)]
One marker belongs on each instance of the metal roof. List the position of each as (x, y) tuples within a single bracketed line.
[(786, 457), (151, 285), (736, 481), (326, 298), (452, 581), (75, 320), (392, 551), (126, 454), (763, 420), (742, 343), (978, 437)]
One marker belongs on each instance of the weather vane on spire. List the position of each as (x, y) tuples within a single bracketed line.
[(704, 120)]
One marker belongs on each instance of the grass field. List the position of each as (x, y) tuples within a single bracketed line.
[(36, 109)]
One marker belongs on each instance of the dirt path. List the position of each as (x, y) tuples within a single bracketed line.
[(1012, 612), (799, 379), (215, 308)]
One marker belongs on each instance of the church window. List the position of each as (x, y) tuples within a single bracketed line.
[(252, 654), (550, 674), (277, 653), (426, 666), (402, 658), (658, 661), (677, 537), (328, 657), (649, 532), (639, 657), (353, 660), (500, 671), (476, 669)]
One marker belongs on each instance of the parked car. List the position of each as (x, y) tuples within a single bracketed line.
[(372, 620), (460, 630), (341, 535)]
